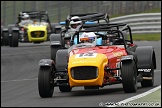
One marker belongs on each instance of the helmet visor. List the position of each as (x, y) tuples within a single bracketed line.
[(74, 25), (25, 18)]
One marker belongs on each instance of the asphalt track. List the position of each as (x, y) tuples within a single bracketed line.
[(19, 84)]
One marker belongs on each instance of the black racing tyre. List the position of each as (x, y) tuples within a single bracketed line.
[(45, 82), (90, 87), (150, 82), (6, 38), (15, 39), (65, 88), (129, 76)]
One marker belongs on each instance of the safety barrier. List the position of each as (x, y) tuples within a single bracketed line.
[(141, 23)]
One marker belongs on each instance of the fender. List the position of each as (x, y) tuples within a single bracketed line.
[(46, 62), (126, 58), (58, 27), (15, 29), (5, 29), (61, 60), (55, 40), (146, 56)]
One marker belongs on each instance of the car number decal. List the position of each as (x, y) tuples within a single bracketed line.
[(86, 55)]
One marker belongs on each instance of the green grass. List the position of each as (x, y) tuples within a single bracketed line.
[(150, 100), (156, 10), (146, 37), (154, 98)]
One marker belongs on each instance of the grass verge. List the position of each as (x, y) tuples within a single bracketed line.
[(147, 37)]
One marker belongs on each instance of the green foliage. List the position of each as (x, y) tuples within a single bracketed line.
[(147, 37)]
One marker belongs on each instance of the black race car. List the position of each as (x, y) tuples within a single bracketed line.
[(62, 40)]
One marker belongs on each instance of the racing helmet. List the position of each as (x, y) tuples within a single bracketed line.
[(88, 37), (25, 16), (75, 21)]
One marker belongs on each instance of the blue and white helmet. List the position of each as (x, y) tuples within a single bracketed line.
[(89, 37)]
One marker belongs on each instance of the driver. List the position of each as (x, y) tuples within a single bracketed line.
[(75, 21), (88, 37), (25, 20)]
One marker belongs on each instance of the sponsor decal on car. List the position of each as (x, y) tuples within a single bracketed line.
[(144, 70), (83, 61), (55, 42)]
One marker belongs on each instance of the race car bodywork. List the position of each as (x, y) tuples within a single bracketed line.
[(37, 33), (94, 60), (117, 60)]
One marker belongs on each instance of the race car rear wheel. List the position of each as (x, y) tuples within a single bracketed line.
[(129, 76), (45, 82), (15, 39), (65, 88), (149, 82)]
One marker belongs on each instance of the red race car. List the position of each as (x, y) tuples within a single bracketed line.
[(117, 60)]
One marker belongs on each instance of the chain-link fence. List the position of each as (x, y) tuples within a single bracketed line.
[(58, 10)]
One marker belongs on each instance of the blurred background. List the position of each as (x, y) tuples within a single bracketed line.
[(58, 10)]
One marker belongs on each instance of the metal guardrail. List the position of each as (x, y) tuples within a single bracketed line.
[(141, 23)]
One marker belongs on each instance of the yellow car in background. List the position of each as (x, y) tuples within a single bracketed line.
[(38, 31)]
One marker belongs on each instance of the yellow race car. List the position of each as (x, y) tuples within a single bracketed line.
[(116, 61), (37, 30)]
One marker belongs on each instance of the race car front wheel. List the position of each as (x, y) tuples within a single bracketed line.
[(15, 39), (129, 76), (45, 81)]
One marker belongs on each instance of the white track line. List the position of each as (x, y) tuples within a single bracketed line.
[(19, 80), (140, 95)]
